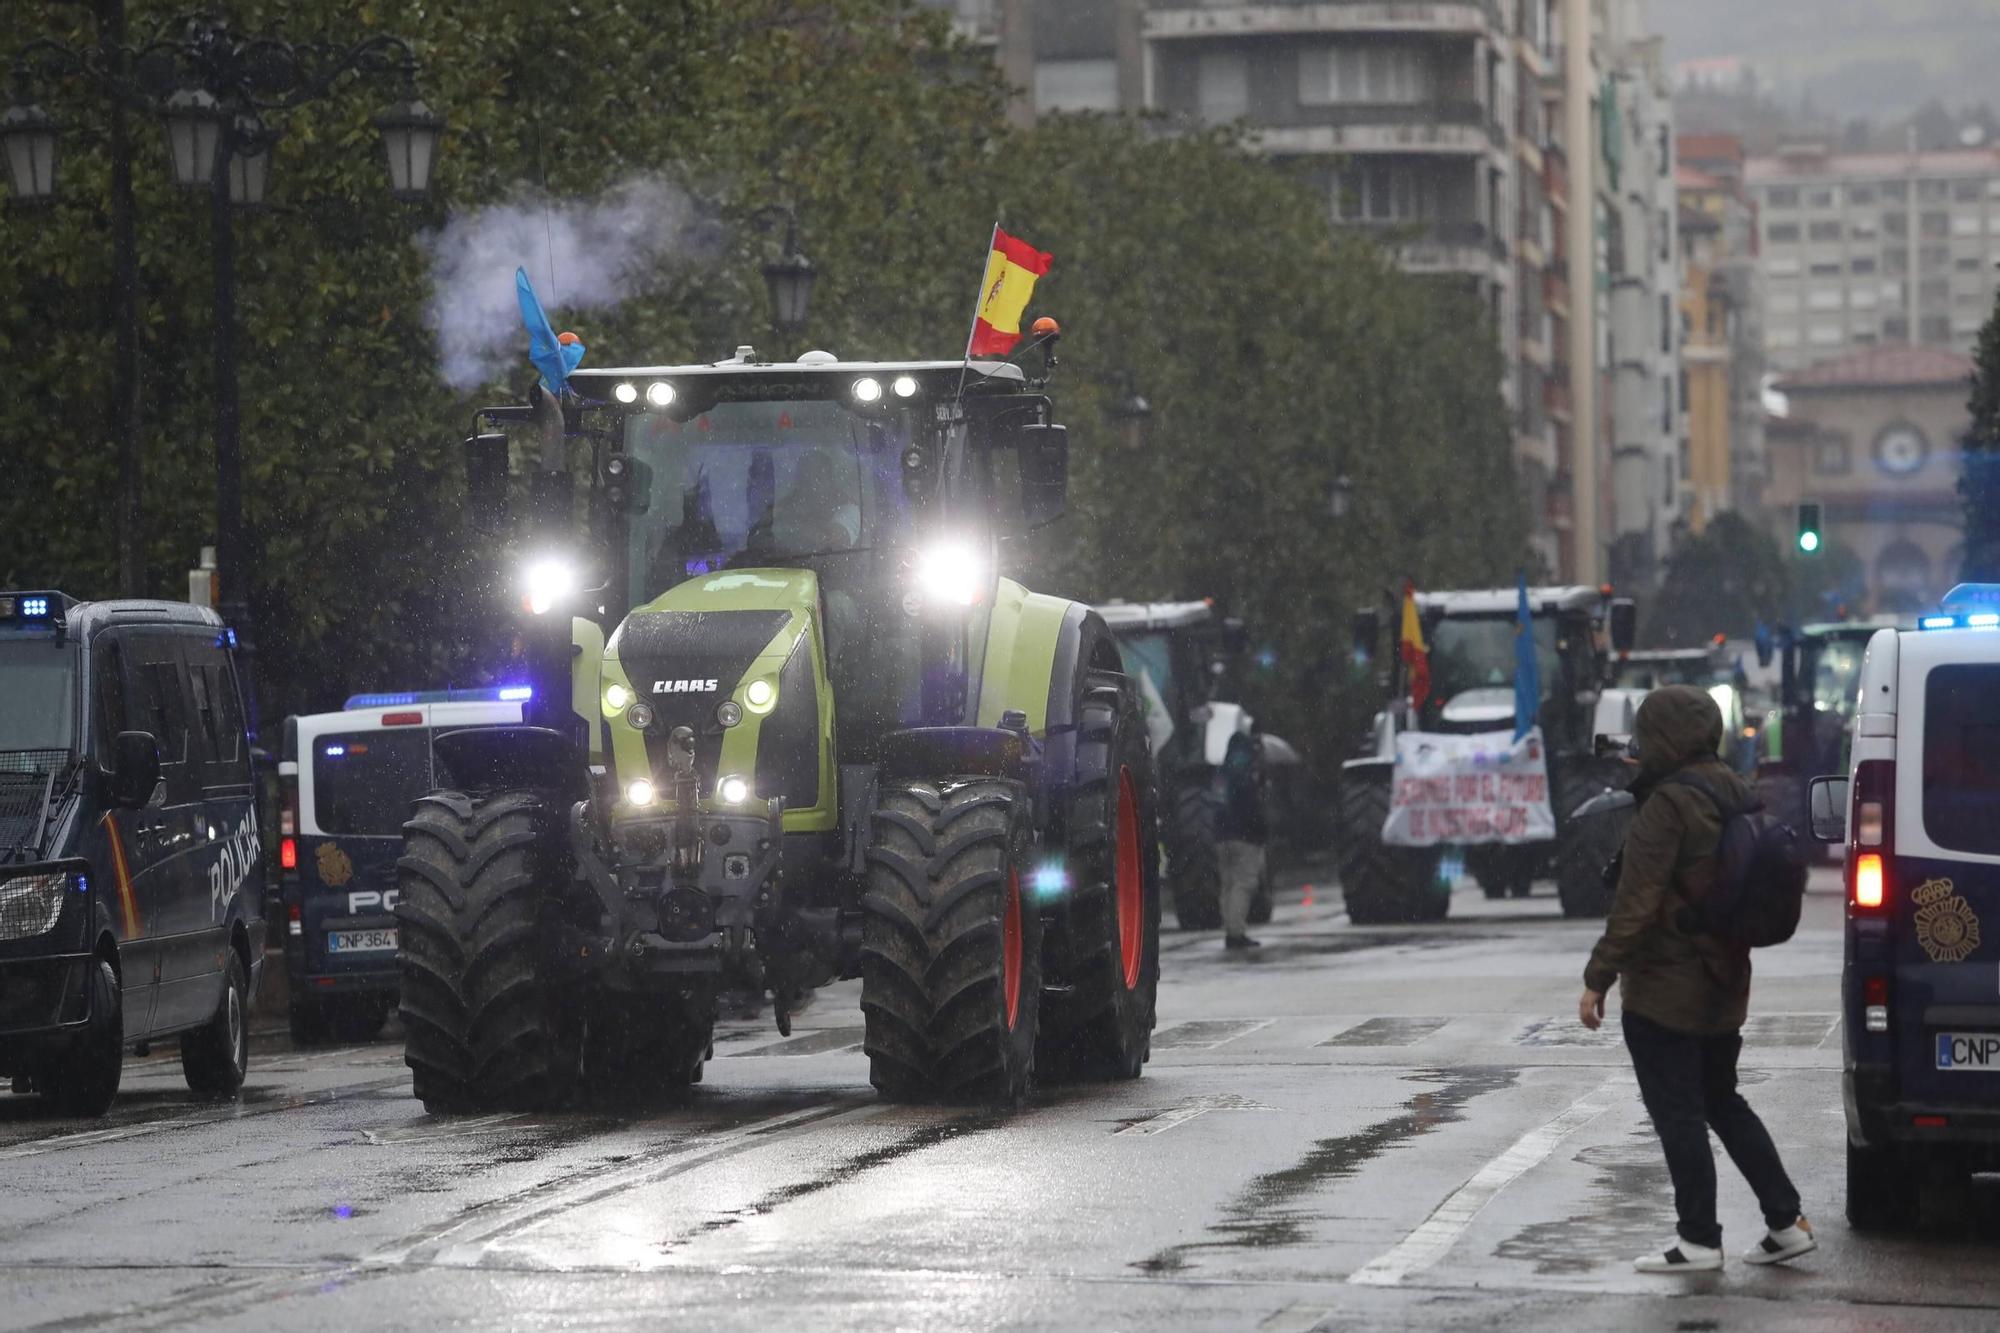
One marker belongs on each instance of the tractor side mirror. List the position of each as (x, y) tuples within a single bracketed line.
[(1624, 624), (486, 478), (1367, 632), (1827, 809), (135, 768), (1044, 457)]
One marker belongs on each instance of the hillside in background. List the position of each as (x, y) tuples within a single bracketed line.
[(1850, 58)]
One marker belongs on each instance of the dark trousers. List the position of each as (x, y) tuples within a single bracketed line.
[(1689, 1086)]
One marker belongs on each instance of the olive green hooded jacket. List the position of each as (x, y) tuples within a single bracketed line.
[(1690, 983)]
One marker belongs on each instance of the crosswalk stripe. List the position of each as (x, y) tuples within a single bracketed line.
[(1432, 1240)]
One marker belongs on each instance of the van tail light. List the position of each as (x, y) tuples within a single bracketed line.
[(1873, 820), (414, 719), (1869, 890), (288, 853), (297, 923), (1875, 1003)]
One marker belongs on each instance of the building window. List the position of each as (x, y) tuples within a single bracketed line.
[(1967, 264), (1666, 324), (1786, 267), (1934, 291), (1825, 231), (1965, 191), (1824, 335), (1864, 227), (1820, 199), (1860, 194), (1935, 330), (1965, 224), (1783, 335), (1823, 298), (1365, 74), (1667, 407), (1782, 233), (1782, 196), (1385, 192), (1826, 268), (1933, 192), (1896, 261), (1934, 224), (1896, 329), (1076, 85), (1832, 457), (1895, 192), (1222, 86), (1862, 298), (1934, 258), (1895, 225), (1863, 264)]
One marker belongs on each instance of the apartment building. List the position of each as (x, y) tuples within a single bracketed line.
[(1722, 329), (1485, 150), (1875, 249)]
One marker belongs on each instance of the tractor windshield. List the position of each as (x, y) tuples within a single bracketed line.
[(1836, 673), (763, 483), (1477, 653)]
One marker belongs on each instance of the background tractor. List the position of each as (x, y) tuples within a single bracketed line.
[(1471, 641), (1180, 655), (788, 723), (1807, 734)]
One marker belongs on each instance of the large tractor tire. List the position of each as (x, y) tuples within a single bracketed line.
[(1584, 847), (951, 946), (83, 1081), (643, 1046), (485, 1025), (1098, 1010), (1384, 885), (1194, 868)]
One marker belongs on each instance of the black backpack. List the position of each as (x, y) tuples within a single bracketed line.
[(1760, 875)]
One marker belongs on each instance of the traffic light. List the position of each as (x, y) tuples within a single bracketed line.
[(1809, 534)]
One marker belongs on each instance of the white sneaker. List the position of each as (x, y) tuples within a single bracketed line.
[(1681, 1256), (1779, 1246)]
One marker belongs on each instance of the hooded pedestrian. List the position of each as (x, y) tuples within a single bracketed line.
[(1240, 832), (1685, 995)]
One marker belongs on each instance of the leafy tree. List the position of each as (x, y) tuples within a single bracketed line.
[(1726, 580), (1979, 483)]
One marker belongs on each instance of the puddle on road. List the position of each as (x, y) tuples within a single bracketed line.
[(1630, 1210), (1280, 1208), (844, 1171)]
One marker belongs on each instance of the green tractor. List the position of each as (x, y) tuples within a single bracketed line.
[(787, 723)]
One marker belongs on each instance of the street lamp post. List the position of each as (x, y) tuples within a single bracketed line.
[(210, 86), (788, 279)]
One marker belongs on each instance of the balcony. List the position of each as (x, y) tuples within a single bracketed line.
[(1430, 127), (1169, 21), (1438, 247)]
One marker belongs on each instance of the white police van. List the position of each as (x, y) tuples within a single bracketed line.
[(348, 780), (1920, 814)]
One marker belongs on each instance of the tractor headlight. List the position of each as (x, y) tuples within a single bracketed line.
[(759, 695), (867, 390), (626, 393), (639, 792), (616, 696), (905, 386), (952, 573), (640, 715), (660, 393), (733, 790), (728, 713), (546, 581)]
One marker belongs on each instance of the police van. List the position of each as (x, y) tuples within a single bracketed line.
[(131, 873), (1919, 812), (347, 781)]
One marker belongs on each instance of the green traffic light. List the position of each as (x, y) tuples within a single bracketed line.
[(1808, 542)]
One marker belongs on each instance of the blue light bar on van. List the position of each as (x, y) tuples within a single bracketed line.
[(1938, 622), (485, 694)]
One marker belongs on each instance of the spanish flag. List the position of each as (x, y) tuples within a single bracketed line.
[(1011, 269), (1416, 654)]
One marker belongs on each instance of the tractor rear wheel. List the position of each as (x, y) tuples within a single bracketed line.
[(1194, 868), (1097, 1016), (1383, 885), (951, 947), (484, 1025), (649, 1045)]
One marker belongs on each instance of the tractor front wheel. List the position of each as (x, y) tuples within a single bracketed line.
[(1194, 867), (485, 1026), (1097, 1020), (1384, 885), (951, 946)]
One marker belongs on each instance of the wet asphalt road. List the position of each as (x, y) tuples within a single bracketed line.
[(1350, 1129)]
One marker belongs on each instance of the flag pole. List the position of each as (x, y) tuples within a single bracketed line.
[(972, 325)]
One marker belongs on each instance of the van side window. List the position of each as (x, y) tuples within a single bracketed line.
[(108, 692), (1962, 757), (218, 717), (156, 701)]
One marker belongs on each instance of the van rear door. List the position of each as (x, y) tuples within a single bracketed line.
[(361, 788), (1945, 871)]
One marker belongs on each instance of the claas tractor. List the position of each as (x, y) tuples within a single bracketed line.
[(788, 723)]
